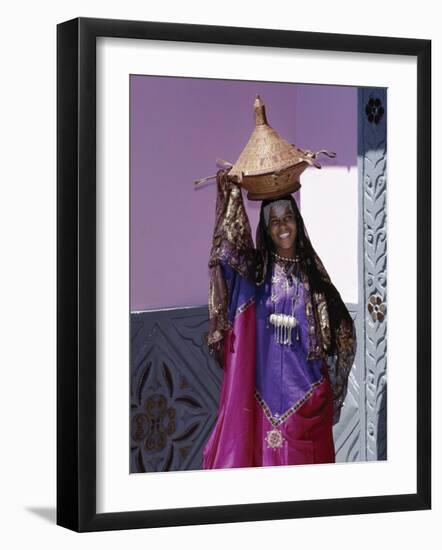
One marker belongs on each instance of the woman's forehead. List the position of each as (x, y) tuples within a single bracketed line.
[(277, 208), (280, 210)]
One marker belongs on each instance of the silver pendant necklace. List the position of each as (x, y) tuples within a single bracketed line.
[(284, 324)]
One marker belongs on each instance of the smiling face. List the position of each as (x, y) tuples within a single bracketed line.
[(282, 230)]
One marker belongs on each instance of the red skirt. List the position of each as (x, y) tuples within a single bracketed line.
[(304, 437)]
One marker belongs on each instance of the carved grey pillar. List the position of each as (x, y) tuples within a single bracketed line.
[(361, 432), (373, 167)]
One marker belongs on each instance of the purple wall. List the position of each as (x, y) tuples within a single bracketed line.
[(179, 127), (326, 118)]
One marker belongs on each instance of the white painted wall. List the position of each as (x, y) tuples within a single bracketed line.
[(329, 205)]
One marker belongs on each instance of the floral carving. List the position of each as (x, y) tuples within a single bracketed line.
[(376, 308), (168, 414), (155, 424), (374, 110)]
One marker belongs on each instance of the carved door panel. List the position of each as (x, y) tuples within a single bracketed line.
[(361, 431), (175, 386)]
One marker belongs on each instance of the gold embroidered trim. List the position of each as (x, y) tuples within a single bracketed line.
[(311, 324), (244, 306), (278, 421)]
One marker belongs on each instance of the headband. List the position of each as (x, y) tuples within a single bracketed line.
[(278, 206)]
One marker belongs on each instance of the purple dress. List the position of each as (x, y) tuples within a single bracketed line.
[(293, 422), (283, 374), (276, 406)]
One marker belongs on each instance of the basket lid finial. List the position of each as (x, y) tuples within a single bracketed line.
[(260, 112)]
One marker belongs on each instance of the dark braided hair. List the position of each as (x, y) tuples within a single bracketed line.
[(309, 263)]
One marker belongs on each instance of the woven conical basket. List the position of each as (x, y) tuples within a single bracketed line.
[(269, 166)]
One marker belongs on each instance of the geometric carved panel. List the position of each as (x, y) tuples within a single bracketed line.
[(175, 388)]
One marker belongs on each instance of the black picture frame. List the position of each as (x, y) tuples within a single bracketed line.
[(76, 273)]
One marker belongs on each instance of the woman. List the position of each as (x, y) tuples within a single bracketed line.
[(283, 335)]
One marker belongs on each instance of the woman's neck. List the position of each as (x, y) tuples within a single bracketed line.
[(286, 252), (284, 260)]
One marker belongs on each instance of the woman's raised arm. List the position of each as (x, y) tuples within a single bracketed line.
[(232, 257), (232, 238), (232, 330)]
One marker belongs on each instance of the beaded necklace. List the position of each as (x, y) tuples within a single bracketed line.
[(284, 259)]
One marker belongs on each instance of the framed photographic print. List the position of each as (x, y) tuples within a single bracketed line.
[(243, 274)]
